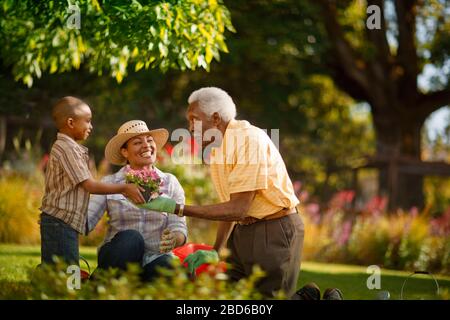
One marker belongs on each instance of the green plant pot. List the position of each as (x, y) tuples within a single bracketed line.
[(147, 193)]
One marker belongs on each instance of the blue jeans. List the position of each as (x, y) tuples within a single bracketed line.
[(58, 239), (128, 247)]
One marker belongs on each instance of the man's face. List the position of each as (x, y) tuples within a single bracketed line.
[(198, 119), (82, 125)]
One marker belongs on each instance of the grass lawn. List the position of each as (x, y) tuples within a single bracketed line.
[(15, 260)]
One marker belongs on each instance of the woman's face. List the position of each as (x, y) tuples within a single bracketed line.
[(140, 151)]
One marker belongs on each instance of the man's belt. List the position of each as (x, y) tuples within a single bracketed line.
[(276, 215)]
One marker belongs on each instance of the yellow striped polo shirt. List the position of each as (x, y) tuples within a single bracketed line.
[(248, 160)]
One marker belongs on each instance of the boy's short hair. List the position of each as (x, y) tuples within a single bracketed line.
[(65, 108)]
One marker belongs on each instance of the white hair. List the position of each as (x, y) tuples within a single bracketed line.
[(212, 99)]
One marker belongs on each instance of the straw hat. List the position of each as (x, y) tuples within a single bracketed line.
[(130, 130)]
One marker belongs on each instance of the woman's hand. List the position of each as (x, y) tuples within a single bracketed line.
[(199, 257), (168, 241)]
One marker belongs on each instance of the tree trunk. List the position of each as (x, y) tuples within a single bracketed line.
[(2, 135), (399, 136)]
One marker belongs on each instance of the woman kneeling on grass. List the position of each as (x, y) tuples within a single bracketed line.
[(137, 235)]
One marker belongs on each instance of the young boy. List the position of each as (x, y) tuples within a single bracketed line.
[(68, 183)]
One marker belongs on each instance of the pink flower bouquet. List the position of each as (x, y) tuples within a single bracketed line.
[(147, 179)]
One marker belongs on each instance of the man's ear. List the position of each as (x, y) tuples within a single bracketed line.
[(216, 118), (124, 152), (69, 122)]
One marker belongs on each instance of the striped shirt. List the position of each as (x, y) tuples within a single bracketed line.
[(247, 160), (124, 215), (64, 198)]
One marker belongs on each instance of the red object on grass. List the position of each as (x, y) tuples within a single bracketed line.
[(84, 275), (183, 251)]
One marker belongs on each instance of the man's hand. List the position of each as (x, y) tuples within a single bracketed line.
[(168, 241), (133, 192), (161, 204), (199, 257)]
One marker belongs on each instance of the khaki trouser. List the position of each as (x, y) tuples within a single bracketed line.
[(274, 245)]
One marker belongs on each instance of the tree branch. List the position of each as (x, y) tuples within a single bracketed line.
[(344, 53), (345, 82), (428, 103), (407, 54)]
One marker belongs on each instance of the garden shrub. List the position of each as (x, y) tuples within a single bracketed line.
[(401, 240), (51, 283), (20, 199)]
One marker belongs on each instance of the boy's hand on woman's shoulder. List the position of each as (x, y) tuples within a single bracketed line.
[(133, 192)]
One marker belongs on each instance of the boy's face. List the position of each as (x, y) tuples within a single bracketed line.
[(81, 123)]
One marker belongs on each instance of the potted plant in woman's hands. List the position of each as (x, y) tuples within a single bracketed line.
[(151, 182), (145, 178)]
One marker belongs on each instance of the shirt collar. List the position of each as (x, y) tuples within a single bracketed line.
[(65, 137), (233, 124)]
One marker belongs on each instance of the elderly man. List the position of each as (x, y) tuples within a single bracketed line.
[(258, 205)]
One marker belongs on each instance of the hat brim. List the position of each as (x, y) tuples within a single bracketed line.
[(112, 150)]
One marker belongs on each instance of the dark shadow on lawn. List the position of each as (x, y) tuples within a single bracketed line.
[(354, 285), (88, 256)]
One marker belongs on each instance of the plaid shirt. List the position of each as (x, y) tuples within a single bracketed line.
[(124, 215), (64, 198)]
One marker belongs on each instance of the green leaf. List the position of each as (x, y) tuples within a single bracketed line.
[(7, 4), (136, 4), (28, 80), (164, 51), (209, 54), (139, 66), (37, 69), (53, 66), (201, 61), (96, 5), (222, 45), (119, 77), (187, 62)]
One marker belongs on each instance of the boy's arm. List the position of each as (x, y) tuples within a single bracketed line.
[(75, 166), (129, 190)]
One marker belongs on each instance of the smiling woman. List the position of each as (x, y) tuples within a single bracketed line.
[(137, 235)]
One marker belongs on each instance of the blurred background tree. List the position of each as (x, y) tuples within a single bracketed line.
[(381, 66), (285, 69)]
